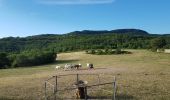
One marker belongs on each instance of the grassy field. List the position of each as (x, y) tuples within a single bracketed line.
[(142, 75)]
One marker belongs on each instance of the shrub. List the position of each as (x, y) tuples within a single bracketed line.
[(99, 52), (118, 51), (32, 58), (4, 61), (107, 52), (157, 43), (91, 51)]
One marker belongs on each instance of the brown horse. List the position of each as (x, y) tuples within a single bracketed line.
[(77, 66)]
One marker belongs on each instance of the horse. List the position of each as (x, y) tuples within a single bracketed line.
[(77, 66), (57, 67), (90, 65), (68, 66)]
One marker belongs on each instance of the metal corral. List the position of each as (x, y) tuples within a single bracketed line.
[(61, 87)]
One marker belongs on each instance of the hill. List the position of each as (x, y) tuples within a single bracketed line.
[(81, 40), (118, 31)]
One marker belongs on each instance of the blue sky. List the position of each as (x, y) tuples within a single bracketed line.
[(32, 17)]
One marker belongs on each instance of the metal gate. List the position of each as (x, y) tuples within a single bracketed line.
[(63, 86)]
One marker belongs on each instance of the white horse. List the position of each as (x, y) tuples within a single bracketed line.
[(68, 66), (57, 67)]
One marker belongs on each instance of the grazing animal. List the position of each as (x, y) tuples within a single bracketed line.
[(57, 67), (68, 66), (80, 65), (90, 66), (71, 66), (77, 66)]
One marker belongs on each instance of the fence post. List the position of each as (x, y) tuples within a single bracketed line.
[(45, 87), (114, 88), (77, 79), (85, 90), (54, 93), (98, 79), (56, 81)]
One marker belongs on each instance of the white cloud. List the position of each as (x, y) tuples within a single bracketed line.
[(70, 2)]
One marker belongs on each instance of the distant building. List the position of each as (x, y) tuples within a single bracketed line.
[(163, 50), (167, 50)]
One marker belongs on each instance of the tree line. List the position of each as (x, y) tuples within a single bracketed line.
[(26, 58), (35, 50), (64, 43)]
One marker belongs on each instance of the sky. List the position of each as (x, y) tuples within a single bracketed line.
[(32, 17)]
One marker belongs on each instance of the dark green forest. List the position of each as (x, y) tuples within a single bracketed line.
[(26, 59), (14, 48)]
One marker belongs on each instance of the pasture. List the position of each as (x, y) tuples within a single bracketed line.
[(142, 75)]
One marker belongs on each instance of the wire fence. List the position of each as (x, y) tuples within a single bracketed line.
[(98, 86)]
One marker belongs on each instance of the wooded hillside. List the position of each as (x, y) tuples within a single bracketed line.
[(81, 40)]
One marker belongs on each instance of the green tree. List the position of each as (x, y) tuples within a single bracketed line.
[(4, 61), (158, 43), (32, 58), (99, 52), (118, 51)]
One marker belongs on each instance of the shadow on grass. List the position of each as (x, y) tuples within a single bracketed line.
[(118, 97)]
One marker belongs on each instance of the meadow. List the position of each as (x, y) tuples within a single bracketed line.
[(142, 75)]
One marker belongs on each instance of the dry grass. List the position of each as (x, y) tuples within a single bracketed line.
[(142, 75)]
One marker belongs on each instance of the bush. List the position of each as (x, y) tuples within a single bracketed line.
[(4, 61), (157, 43), (107, 52), (21, 60), (118, 51), (32, 58), (99, 52), (90, 51)]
